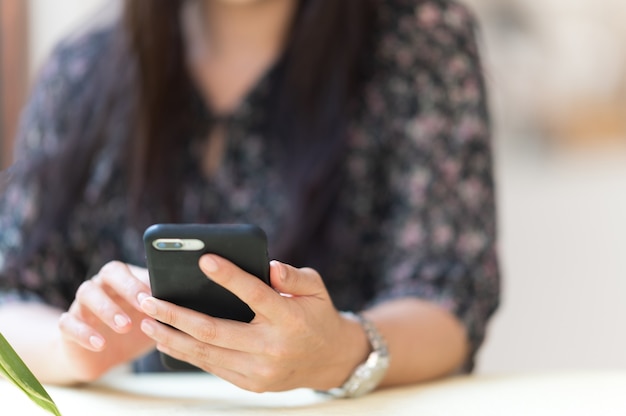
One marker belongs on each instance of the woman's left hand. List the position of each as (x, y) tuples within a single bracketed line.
[(297, 338)]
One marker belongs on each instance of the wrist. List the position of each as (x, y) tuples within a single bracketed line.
[(65, 371), (350, 347), (372, 365), (359, 346)]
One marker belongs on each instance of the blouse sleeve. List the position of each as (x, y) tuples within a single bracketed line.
[(40, 136), (441, 234)]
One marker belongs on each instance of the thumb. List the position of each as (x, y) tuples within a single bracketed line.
[(289, 280)]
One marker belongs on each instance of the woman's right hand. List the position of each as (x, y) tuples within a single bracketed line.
[(101, 329)]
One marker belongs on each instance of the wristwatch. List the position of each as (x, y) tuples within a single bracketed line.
[(369, 374)]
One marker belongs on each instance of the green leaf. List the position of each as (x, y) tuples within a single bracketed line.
[(14, 369)]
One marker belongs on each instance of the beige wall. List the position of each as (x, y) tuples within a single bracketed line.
[(563, 242), (51, 20), (557, 78)]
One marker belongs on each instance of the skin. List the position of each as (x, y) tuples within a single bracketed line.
[(276, 346), (112, 321), (301, 340), (237, 42), (96, 334), (297, 338)]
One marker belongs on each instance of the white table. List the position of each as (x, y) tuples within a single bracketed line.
[(553, 394)]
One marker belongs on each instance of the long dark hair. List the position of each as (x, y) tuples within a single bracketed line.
[(321, 74)]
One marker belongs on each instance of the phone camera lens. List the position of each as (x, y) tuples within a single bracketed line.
[(167, 244)]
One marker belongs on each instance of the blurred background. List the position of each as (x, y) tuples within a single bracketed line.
[(556, 73)]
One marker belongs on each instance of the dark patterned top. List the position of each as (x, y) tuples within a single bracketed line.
[(420, 147)]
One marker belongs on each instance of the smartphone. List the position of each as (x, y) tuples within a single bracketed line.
[(172, 255)]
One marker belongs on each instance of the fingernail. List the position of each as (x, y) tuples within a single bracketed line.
[(281, 270), (147, 328), (96, 342), (208, 264), (121, 321), (149, 306), (141, 296)]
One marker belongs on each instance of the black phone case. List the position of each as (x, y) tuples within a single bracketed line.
[(176, 277)]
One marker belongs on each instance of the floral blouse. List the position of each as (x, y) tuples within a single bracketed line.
[(420, 147)]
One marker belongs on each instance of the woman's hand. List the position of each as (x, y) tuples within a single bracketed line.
[(297, 338), (101, 329)]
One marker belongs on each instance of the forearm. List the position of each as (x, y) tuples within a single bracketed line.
[(32, 330), (425, 341)]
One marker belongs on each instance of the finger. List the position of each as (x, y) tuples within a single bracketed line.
[(186, 348), (244, 381), (140, 273), (208, 330), (92, 296), (126, 281), (79, 332), (236, 367), (296, 282), (261, 298)]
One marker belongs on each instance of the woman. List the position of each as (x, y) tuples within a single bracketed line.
[(355, 133)]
